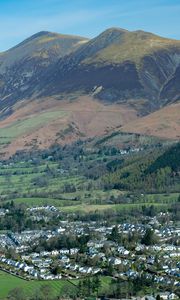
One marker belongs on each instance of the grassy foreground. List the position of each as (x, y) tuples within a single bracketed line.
[(9, 282), (58, 287)]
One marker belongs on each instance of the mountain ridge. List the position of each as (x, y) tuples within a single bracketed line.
[(139, 63), (137, 72), (81, 71)]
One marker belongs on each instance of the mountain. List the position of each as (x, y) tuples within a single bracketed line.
[(119, 66), (116, 66), (58, 88), (24, 63)]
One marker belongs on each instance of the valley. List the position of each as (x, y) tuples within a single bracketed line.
[(56, 203), (90, 167)]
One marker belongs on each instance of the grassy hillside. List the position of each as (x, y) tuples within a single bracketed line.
[(26, 126), (44, 122)]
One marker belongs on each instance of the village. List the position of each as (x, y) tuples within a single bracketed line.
[(104, 252)]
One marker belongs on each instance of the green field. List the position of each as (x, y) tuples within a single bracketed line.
[(161, 198), (115, 207), (9, 282), (31, 184), (65, 199), (41, 182), (19, 179), (17, 183), (67, 205), (30, 202)]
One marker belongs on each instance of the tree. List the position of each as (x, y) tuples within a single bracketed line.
[(80, 289), (115, 235), (17, 294), (96, 284), (46, 292), (110, 270), (56, 269), (149, 238)]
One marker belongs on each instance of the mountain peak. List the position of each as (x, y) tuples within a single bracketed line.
[(109, 36), (113, 32), (34, 37), (115, 29), (47, 36), (41, 33)]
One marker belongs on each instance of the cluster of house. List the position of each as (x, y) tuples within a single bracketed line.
[(28, 271), (122, 259), (131, 150), (49, 208), (163, 296), (18, 266), (3, 212), (45, 212), (22, 239), (6, 241)]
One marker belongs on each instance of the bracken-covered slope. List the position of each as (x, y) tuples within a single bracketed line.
[(164, 123), (43, 122)]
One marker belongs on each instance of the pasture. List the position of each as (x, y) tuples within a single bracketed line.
[(9, 282)]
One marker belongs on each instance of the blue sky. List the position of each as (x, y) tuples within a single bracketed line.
[(21, 18)]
